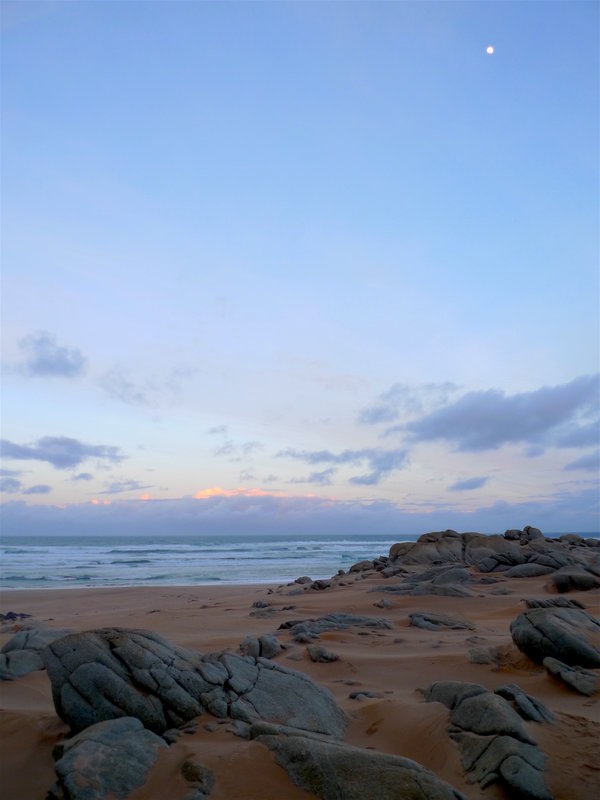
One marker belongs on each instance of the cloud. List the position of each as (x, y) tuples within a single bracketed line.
[(117, 487), (10, 485), (83, 476), (402, 399), (10, 472), (485, 420), (39, 488), (60, 451), (218, 430), (221, 512), (44, 357), (231, 448), (467, 484), (381, 462), (321, 478), (120, 386), (589, 462)]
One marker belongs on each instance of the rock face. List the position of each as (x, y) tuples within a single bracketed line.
[(108, 759), (568, 634), (23, 653), (112, 673), (336, 771), (494, 745)]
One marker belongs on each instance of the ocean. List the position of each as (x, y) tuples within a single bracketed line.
[(28, 562), (57, 562)]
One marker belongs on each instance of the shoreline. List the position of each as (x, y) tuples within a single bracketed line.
[(387, 668)]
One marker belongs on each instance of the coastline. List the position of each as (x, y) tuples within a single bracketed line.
[(391, 664)]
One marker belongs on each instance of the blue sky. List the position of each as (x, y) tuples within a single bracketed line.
[(299, 266)]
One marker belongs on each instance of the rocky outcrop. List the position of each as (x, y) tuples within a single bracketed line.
[(112, 672), (568, 634), (494, 745), (23, 653), (333, 770), (518, 553), (109, 759), (449, 580), (307, 630)]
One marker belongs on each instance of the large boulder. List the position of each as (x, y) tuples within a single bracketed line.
[(568, 634), (113, 672), (107, 760), (337, 771)]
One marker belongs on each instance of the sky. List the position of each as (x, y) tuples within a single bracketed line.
[(326, 267)]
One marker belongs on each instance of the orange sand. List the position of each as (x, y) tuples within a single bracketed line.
[(392, 662)]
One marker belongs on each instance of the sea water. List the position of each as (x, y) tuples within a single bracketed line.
[(59, 562)]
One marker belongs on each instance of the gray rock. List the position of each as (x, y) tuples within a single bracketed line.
[(201, 778), (320, 654), (574, 579), (109, 759), (337, 771), (305, 630), (22, 654), (553, 602), (568, 634), (113, 672), (529, 570), (361, 566), (266, 646), (430, 620), (582, 680), (525, 704), (494, 746)]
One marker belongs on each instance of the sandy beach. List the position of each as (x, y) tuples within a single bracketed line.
[(392, 664)]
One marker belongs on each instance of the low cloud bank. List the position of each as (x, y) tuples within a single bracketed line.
[(224, 514)]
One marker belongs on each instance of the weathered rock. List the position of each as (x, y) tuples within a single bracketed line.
[(582, 680), (337, 771), (108, 759), (529, 570), (553, 602), (306, 630), (527, 706), (23, 653), (430, 620), (321, 655), (361, 566), (568, 634), (494, 745), (266, 646), (574, 579), (113, 672)]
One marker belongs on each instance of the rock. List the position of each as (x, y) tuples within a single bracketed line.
[(430, 620), (337, 771), (582, 680), (108, 759), (574, 579), (266, 646), (360, 693), (527, 706), (23, 653), (112, 672), (303, 579), (567, 634), (361, 566), (493, 743), (200, 777), (482, 655), (306, 630), (320, 654), (529, 570), (320, 585), (553, 602)]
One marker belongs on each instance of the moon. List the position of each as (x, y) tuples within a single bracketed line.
[(489, 50)]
